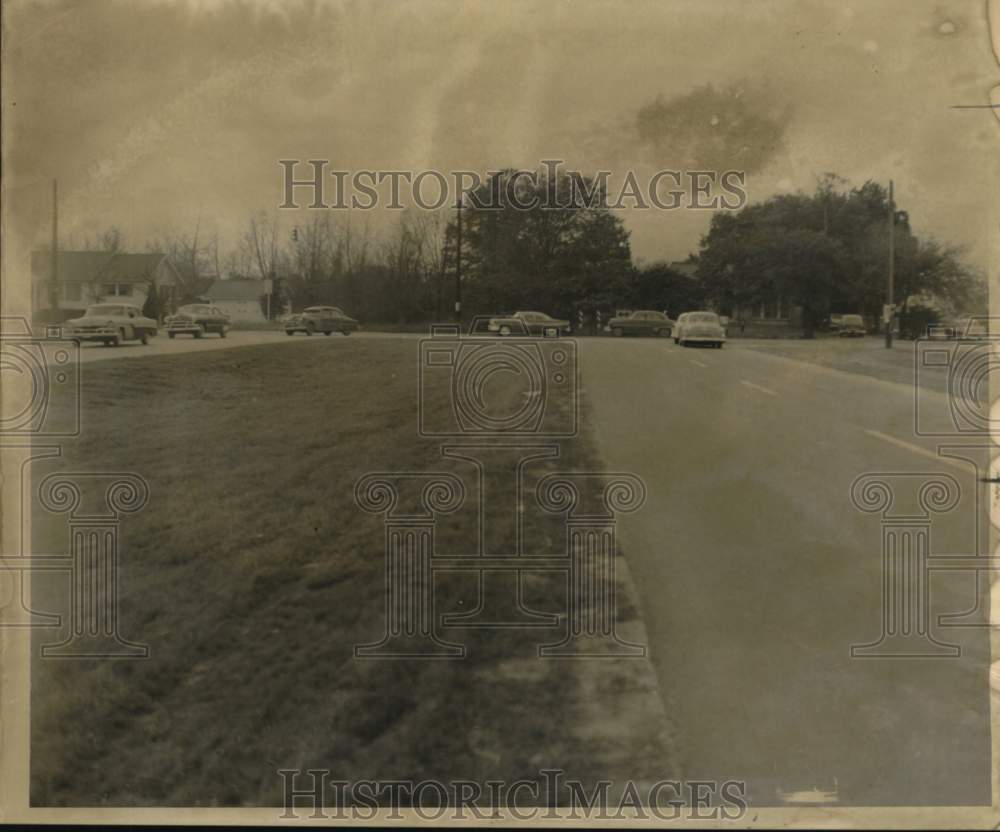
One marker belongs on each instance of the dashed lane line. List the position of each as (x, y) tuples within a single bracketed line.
[(900, 443), (753, 386)]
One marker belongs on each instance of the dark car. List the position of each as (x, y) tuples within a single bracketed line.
[(325, 319), (642, 322), (197, 319), (536, 323)]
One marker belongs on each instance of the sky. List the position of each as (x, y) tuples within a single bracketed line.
[(155, 115)]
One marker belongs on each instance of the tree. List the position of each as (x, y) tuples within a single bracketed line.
[(553, 255), (825, 252), (195, 256), (153, 305), (657, 286), (109, 240), (259, 245)]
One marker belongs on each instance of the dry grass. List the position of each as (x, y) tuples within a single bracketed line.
[(252, 574)]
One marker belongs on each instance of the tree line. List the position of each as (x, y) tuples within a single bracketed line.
[(821, 253), (827, 252)]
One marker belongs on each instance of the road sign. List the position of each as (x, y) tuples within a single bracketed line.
[(887, 310)]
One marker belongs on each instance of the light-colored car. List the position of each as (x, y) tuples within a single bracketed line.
[(197, 319), (641, 322), (534, 323), (111, 324), (851, 326), (325, 319), (699, 328)]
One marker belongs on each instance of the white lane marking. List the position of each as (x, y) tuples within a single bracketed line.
[(899, 443), (854, 378), (758, 387), (697, 363)]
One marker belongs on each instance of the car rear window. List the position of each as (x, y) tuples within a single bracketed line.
[(704, 318)]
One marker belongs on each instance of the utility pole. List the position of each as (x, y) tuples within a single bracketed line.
[(887, 311), (458, 266), (54, 282)]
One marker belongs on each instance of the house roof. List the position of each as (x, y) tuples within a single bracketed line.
[(124, 266), (235, 290), (91, 266)]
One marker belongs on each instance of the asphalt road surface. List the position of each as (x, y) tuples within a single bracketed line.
[(756, 574)]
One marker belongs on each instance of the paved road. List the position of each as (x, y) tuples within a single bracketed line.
[(756, 574)]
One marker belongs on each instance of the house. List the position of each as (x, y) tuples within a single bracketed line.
[(84, 278), (239, 299)]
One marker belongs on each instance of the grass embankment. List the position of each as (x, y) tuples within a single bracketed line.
[(251, 574)]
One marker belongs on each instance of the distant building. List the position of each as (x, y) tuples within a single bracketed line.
[(84, 278), (239, 299)]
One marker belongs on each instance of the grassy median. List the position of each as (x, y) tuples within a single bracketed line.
[(252, 573)]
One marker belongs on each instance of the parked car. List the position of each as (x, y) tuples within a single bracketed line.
[(641, 322), (699, 328), (197, 319), (851, 326), (536, 323), (111, 324), (325, 319), (835, 322)]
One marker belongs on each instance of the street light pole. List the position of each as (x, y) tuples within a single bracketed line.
[(54, 282), (458, 266), (887, 313)]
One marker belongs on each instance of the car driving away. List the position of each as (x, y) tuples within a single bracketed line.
[(325, 319), (700, 328), (851, 326), (535, 323), (641, 322), (111, 324), (197, 319)]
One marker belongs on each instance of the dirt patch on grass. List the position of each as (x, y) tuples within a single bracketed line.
[(251, 575)]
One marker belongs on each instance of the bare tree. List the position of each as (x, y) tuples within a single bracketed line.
[(109, 240), (259, 245), (438, 232), (353, 251), (195, 256), (314, 254)]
